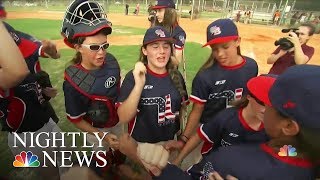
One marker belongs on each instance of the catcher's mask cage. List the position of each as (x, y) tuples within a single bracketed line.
[(83, 18)]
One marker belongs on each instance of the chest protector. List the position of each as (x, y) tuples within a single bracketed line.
[(101, 87)]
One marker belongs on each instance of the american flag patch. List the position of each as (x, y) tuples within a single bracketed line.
[(238, 93)]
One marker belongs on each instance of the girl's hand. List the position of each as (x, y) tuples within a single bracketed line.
[(139, 74), (112, 140)]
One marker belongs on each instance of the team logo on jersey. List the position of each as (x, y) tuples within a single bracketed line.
[(238, 93), (215, 30), (160, 33), (111, 81), (182, 39), (225, 143), (233, 135), (229, 95), (148, 87), (165, 114), (220, 82), (34, 88)]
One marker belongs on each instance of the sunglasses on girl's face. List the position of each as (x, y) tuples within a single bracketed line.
[(96, 47)]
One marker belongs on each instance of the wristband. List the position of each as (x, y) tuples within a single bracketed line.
[(181, 139)]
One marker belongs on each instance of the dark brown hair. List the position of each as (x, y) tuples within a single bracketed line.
[(170, 20), (311, 27), (305, 142), (241, 103)]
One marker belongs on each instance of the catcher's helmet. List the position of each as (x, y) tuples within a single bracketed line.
[(83, 18)]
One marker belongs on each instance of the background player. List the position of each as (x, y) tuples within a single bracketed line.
[(92, 82), (167, 16), (290, 119), (236, 125), (222, 78)]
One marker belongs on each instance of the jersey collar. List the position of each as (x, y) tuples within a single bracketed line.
[(156, 74)]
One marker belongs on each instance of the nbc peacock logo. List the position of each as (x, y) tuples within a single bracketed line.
[(26, 159), (287, 150)]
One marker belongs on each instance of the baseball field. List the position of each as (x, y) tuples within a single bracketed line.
[(257, 41)]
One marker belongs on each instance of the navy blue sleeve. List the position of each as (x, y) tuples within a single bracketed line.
[(172, 172), (29, 37), (126, 87), (212, 130), (76, 104), (197, 171), (200, 90), (256, 67), (180, 40)]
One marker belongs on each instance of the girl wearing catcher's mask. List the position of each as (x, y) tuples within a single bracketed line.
[(92, 82)]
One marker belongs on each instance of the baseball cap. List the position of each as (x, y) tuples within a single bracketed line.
[(157, 33), (260, 86), (220, 31), (296, 94), (83, 18), (164, 4)]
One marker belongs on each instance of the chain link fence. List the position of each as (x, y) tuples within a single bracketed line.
[(292, 12)]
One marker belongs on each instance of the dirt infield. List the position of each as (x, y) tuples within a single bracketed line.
[(257, 40)]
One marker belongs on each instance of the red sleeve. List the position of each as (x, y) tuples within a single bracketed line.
[(308, 51), (277, 50)]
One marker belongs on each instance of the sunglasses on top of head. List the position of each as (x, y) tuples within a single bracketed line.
[(96, 47)]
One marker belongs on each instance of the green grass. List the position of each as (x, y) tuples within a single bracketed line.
[(126, 55), (50, 29)]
